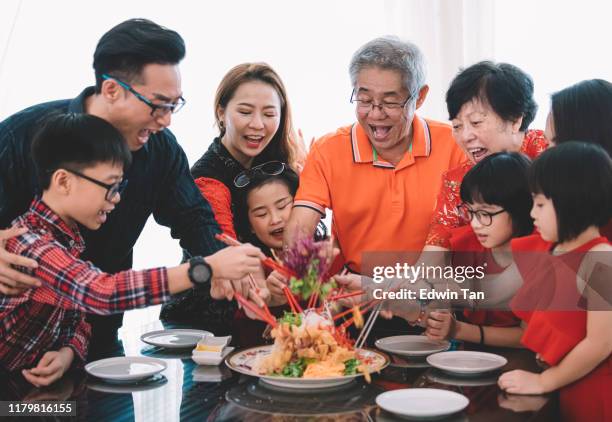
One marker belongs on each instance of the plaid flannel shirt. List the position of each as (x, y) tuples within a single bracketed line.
[(53, 316)]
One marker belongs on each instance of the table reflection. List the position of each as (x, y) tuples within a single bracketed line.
[(186, 391)]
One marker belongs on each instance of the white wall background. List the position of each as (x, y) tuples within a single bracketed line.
[(46, 52)]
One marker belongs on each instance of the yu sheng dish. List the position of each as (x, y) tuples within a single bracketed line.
[(308, 345)]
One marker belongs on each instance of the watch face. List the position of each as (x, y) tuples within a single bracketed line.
[(200, 273)]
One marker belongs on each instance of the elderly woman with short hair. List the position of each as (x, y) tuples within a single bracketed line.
[(490, 106)]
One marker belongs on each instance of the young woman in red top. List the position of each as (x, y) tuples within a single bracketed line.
[(490, 106), (496, 201), (582, 111), (572, 187)]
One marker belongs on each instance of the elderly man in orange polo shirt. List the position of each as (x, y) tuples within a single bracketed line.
[(379, 176)]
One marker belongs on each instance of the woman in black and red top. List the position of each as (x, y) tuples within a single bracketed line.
[(254, 120)]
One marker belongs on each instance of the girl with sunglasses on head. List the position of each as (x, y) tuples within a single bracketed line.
[(496, 201), (569, 317), (263, 207), (256, 133)]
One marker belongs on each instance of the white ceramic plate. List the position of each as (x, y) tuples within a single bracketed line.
[(210, 358), (466, 362), (411, 345), (244, 362), (125, 368), (174, 338), (421, 403)]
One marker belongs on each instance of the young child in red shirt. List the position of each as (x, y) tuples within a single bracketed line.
[(496, 200), (568, 313), (80, 161)]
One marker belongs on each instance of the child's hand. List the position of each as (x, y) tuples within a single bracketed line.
[(440, 326), (258, 299), (276, 282), (521, 382), (50, 368), (225, 289)]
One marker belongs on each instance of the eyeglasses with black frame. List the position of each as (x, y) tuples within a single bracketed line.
[(112, 190), (484, 217), (270, 168), (366, 106), (157, 110)]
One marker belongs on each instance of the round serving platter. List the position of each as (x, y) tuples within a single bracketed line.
[(244, 362)]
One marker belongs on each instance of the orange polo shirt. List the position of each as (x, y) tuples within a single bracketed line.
[(377, 206)]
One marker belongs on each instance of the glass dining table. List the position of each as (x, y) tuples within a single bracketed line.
[(185, 391)]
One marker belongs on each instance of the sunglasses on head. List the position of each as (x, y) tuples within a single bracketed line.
[(271, 168)]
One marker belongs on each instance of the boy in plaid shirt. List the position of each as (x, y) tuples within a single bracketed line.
[(80, 160)]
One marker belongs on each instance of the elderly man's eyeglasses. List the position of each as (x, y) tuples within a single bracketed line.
[(365, 106), (112, 190), (484, 217), (270, 168), (157, 110)]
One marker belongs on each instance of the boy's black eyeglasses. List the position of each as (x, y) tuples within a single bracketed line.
[(111, 190), (271, 168), (484, 217)]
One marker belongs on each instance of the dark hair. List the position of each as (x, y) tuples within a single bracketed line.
[(577, 177), (258, 179), (505, 87), (125, 49), (584, 112), (284, 145), (243, 228), (76, 141), (501, 179)]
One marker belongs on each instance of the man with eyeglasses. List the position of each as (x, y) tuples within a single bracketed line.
[(379, 176), (138, 88)]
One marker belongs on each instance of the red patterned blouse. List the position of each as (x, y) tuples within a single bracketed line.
[(445, 215)]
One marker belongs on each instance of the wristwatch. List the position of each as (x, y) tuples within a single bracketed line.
[(200, 273)]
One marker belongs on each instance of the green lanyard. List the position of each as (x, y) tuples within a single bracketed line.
[(375, 154)]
